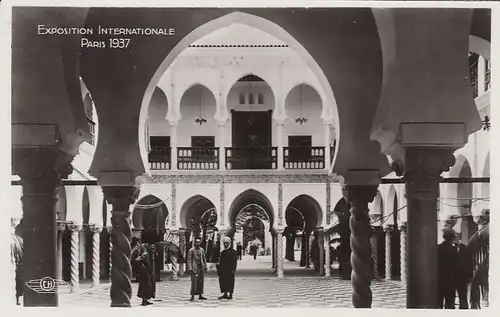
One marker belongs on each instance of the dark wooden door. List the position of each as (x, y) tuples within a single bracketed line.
[(251, 139)]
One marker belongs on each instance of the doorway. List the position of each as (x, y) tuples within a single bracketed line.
[(251, 139)]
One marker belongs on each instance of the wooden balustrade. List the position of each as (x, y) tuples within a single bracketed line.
[(198, 158), (251, 157), (304, 157), (159, 158)]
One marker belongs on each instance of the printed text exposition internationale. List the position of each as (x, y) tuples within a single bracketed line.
[(113, 31)]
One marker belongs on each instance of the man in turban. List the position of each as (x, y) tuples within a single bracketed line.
[(226, 269)]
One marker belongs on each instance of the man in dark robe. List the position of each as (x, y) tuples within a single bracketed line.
[(239, 250), (463, 271), (196, 267), (145, 272), (447, 256), (226, 269)]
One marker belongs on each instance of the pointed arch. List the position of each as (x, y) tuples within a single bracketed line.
[(330, 109), (250, 197)]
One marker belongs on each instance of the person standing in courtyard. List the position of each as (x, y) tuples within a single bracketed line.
[(463, 272), (239, 250), (196, 267), (447, 256), (145, 270), (226, 269)]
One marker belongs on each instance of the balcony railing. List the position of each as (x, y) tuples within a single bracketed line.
[(159, 158), (487, 79), (91, 125), (473, 72), (198, 158), (251, 157), (304, 157)]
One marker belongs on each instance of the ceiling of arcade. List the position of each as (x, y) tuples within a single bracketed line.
[(354, 81)]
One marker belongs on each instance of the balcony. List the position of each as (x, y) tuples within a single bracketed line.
[(251, 157), (91, 125), (159, 158), (487, 80), (198, 158), (304, 157)]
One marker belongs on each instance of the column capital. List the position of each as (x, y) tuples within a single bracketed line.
[(423, 169), (41, 166), (279, 231), (61, 226), (95, 229), (403, 227), (120, 197), (221, 123), (74, 227), (389, 228)]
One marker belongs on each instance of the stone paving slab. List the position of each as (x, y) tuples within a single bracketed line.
[(309, 292)]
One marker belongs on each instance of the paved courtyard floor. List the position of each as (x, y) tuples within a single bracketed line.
[(256, 286)]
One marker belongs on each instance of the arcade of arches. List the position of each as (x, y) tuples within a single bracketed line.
[(223, 132)]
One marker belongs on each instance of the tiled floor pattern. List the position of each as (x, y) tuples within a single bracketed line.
[(253, 292)]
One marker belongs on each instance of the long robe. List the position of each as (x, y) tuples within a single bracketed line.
[(145, 272), (226, 270), (197, 266)]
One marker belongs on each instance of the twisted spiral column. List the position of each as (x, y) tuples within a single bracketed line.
[(96, 242), (182, 246), (404, 266), (321, 250), (326, 240), (109, 229), (279, 242), (388, 255), (75, 255), (173, 259), (121, 271), (361, 276), (374, 247)]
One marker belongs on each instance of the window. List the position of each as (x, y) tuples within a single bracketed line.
[(251, 99), (159, 141), (242, 98), (260, 99)]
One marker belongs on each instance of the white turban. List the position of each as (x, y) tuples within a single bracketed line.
[(226, 239)]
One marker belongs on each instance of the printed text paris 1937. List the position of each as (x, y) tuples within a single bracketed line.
[(119, 37)]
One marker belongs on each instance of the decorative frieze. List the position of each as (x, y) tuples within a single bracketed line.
[(280, 204), (243, 178)]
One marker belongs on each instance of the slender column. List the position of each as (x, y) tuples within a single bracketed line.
[(173, 145), (404, 266), (40, 170), (96, 242), (361, 276), (173, 258), (222, 150), (279, 141), (109, 230), (374, 246), (423, 169), (121, 197), (326, 238), (182, 246), (75, 256), (308, 249), (327, 144), (321, 250), (388, 250), (279, 241), (61, 226), (275, 250)]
